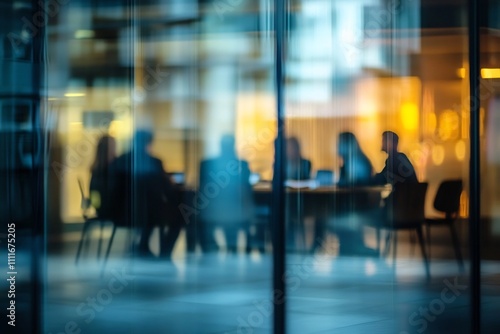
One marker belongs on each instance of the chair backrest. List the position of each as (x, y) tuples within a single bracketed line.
[(408, 204), (447, 198)]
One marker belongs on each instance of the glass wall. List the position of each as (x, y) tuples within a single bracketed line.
[(168, 106), (138, 154), (355, 69), (489, 92)]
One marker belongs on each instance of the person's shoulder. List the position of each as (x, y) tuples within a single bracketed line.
[(120, 162), (402, 156), (205, 163), (156, 160)]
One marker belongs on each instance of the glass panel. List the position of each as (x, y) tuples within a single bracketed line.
[(355, 69), (21, 167), (164, 124), (489, 99)]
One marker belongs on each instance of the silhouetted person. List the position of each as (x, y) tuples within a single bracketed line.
[(226, 194), (146, 196), (297, 168), (100, 182), (398, 168), (356, 168)]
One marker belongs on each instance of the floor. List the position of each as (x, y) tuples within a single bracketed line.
[(231, 293)]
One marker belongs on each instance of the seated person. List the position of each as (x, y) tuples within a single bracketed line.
[(398, 167), (356, 170), (225, 189), (100, 190), (145, 197), (397, 170), (297, 167)]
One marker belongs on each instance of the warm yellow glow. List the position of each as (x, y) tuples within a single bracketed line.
[(465, 125), (409, 116), (374, 96), (438, 155), (74, 94), (490, 73), (80, 34), (121, 129), (256, 131), (464, 205), (486, 73), (481, 121), (460, 150), (449, 125), (431, 122)]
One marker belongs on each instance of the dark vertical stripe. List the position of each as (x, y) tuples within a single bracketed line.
[(37, 175), (278, 195), (474, 213)]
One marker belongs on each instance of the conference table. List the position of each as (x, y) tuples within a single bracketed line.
[(323, 201), (308, 199)]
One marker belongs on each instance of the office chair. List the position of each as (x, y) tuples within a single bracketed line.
[(86, 205), (447, 201), (405, 211)]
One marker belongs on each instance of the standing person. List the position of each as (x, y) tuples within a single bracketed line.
[(398, 168), (297, 168), (230, 207), (146, 196), (100, 188)]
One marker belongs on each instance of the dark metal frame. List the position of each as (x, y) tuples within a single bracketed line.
[(474, 168), (278, 196)]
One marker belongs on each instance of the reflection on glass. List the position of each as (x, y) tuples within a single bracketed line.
[(157, 125)]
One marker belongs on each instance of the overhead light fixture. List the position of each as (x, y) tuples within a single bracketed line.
[(81, 34), (486, 73), (74, 94), (490, 73)]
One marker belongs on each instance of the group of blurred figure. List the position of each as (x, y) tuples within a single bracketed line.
[(134, 190)]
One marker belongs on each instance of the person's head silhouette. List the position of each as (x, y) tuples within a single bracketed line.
[(142, 140), (227, 146), (105, 152), (293, 149), (347, 144), (390, 142)]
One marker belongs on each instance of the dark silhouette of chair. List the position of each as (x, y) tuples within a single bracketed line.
[(447, 201), (116, 224), (405, 211), (86, 205)]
